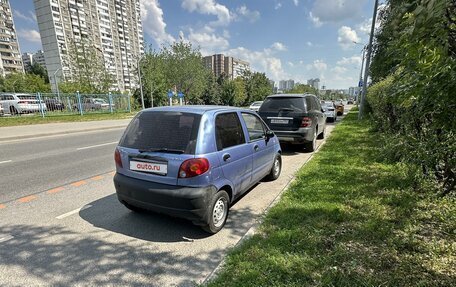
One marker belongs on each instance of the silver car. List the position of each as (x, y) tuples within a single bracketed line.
[(255, 106), (21, 104), (1, 110), (330, 110)]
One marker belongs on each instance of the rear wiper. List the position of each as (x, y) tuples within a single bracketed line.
[(286, 109), (163, 149)]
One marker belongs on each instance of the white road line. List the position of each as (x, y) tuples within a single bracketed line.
[(5, 161), (6, 238), (73, 212), (98, 145)]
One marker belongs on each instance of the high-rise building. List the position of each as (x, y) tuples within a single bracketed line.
[(28, 59), (111, 29), (286, 85), (38, 57), (290, 84), (10, 54), (314, 83), (220, 64)]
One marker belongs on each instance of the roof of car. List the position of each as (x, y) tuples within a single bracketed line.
[(290, 95), (197, 109)]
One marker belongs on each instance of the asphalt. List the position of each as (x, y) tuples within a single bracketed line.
[(78, 234)]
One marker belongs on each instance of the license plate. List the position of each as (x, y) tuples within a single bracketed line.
[(150, 167), (278, 121)]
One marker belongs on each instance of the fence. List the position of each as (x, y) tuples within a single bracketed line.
[(53, 104)]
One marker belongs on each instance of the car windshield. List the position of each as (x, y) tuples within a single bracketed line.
[(283, 104), (100, 101), (162, 131)]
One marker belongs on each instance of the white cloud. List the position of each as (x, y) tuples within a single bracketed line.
[(296, 2), (318, 66), (309, 44), (346, 37), (279, 46), (290, 64), (208, 41), (209, 7), (262, 61), (353, 60), (335, 10), (29, 35), (153, 22), (31, 18), (244, 13), (339, 70), (278, 6), (315, 20)]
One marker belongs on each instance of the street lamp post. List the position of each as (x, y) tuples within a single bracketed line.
[(140, 82), (57, 84)]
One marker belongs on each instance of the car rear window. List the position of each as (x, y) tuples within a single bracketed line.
[(294, 104), (163, 130)]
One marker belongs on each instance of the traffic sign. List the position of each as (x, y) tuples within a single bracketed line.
[(170, 94), (360, 84), (180, 95)]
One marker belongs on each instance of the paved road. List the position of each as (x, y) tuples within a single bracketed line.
[(30, 166), (78, 233)]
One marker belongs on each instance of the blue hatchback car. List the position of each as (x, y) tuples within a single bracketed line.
[(194, 161)]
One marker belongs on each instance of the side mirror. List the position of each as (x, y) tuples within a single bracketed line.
[(269, 135)]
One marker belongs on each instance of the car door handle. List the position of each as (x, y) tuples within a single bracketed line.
[(256, 147), (226, 157)]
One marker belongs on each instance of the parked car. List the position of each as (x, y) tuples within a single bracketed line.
[(54, 104), (194, 161), (92, 104), (329, 110), (21, 104), (1, 110), (350, 102), (339, 107), (255, 106), (295, 118)]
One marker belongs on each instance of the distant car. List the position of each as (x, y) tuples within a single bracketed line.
[(339, 107), (54, 104), (255, 106), (350, 102), (92, 104), (329, 110), (194, 161), (21, 104), (295, 118)]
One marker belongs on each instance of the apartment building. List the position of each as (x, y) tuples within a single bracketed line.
[(231, 67), (10, 54), (28, 59), (111, 29)]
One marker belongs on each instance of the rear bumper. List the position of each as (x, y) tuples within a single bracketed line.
[(299, 136), (186, 202)]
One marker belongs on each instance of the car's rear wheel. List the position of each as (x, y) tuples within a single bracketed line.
[(217, 212), (276, 168), (312, 146), (322, 134)]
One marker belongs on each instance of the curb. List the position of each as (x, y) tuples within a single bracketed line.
[(252, 230), (59, 133)]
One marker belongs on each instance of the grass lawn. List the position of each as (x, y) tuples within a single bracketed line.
[(56, 118), (350, 219)]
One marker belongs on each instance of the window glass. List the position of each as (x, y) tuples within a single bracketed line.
[(309, 105), (228, 131), (294, 104), (254, 126)]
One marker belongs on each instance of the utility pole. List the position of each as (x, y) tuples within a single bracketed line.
[(361, 77), (57, 84), (140, 82), (366, 70)]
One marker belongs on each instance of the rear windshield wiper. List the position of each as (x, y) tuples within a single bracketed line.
[(286, 109), (163, 149)]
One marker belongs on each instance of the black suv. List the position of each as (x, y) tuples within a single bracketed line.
[(295, 118)]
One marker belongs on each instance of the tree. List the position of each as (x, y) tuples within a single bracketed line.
[(302, 89), (24, 83), (257, 86), (37, 69)]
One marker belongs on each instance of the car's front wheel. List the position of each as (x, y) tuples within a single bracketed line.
[(217, 212)]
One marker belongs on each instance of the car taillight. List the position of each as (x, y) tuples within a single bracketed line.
[(117, 158), (306, 122), (193, 167)]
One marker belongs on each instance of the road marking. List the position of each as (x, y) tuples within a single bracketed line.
[(55, 190), (27, 199), (6, 238), (98, 145), (73, 212), (99, 177), (78, 183), (5, 161), (2, 206)]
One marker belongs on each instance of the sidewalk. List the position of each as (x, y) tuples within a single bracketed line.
[(32, 131)]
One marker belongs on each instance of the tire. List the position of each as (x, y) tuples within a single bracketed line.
[(322, 134), (132, 207), (276, 169), (217, 212), (312, 146)]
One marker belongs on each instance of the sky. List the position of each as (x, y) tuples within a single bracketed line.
[(286, 39)]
